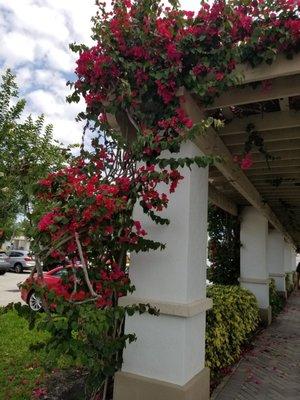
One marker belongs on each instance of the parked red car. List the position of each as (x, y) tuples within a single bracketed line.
[(53, 280)]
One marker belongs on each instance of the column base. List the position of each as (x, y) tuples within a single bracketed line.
[(265, 315), (135, 387)]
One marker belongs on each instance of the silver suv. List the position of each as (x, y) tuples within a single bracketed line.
[(21, 260), (4, 263)]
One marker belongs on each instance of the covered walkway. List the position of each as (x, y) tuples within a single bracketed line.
[(271, 371), (168, 359)]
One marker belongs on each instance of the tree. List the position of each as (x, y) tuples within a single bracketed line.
[(28, 153), (224, 247)]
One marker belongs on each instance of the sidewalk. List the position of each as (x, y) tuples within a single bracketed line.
[(271, 371)]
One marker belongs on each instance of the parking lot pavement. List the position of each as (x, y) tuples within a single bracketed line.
[(8, 287)]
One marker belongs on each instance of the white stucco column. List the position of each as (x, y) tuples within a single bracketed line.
[(289, 265), (288, 258), (254, 273), (294, 260), (275, 259), (167, 360)]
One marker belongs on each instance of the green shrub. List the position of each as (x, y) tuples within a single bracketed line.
[(289, 284), (276, 301), (229, 323)]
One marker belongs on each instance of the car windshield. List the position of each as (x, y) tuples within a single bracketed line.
[(61, 273)]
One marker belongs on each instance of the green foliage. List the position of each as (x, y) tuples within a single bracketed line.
[(289, 282), (224, 247), (28, 153), (229, 324), (276, 301), (80, 335)]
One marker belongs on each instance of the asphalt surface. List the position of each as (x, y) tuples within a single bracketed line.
[(9, 291)]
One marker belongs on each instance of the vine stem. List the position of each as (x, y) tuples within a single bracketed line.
[(75, 282), (105, 389), (84, 267)]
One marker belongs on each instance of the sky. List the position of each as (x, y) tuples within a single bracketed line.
[(34, 42)]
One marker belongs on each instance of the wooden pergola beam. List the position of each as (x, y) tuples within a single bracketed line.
[(268, 136), (277, 191), (287, 86), (254, 179), (266, 191), (221, 201), (281, 188), (280, 67), (280, 145), (211, 144), (263, 122), (277, 163), (264, 171), (279, 154), (273, 171)]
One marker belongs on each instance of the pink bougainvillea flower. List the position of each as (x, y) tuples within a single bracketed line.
[(39, 393), (247, 161)]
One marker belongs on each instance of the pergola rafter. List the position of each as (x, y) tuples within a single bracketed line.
[(281, 87), (269, 136), (219, 199), (280, 67), (263, 122)]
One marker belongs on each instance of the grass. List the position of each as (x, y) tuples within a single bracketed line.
[(20, 369)]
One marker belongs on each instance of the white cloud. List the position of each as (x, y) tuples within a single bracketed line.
[(39, 20), (55, 56), (17, 48), (45, 102)]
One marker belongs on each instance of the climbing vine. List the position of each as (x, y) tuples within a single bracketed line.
[(254, 140), (143, 54)]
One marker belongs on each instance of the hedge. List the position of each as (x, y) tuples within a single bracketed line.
[(289, 282), (229, 323), (276, 301)]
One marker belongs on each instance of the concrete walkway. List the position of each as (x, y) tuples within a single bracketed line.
[(271, 371)]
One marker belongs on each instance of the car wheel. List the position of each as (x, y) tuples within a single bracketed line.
[(18, 268), (35, 302), (2, 272)]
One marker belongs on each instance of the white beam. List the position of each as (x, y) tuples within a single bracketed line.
[(287, 86), (277, 163), (279, 154), (254, 179), (280, 145), (269, 136), (274, 171), (263, 122), (221, 201), (280, 67)]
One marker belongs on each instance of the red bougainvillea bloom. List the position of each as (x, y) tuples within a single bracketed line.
[(46, 221), (247, 161)]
